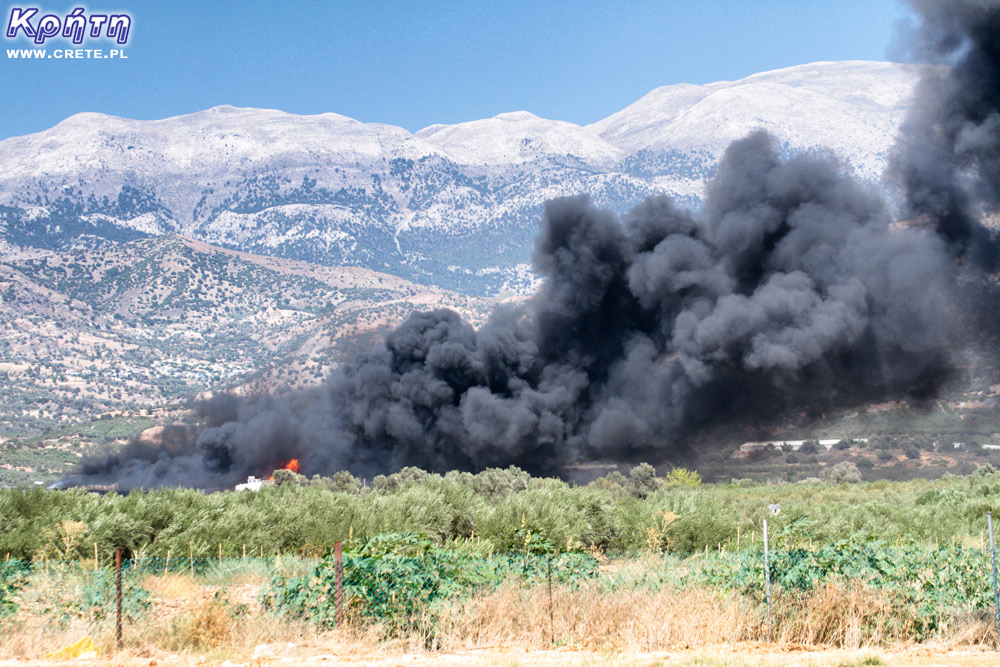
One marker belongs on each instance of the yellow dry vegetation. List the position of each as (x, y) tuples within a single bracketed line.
[(190, 621)]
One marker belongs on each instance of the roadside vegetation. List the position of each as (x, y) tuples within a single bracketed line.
[(492, 511)]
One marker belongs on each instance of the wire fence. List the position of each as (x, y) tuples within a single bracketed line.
[(909, 592)]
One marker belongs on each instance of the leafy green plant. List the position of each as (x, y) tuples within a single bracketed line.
[(13, 577), (396, 579), (933, 583)]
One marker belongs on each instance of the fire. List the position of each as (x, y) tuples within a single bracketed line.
[(292, 464)]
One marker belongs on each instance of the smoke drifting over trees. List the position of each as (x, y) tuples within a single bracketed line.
[(949, 156), (788, 290)]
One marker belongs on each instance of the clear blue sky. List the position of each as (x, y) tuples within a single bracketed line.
[(428, 61)]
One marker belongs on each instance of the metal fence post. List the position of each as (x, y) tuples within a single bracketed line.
[(993, 558), (338, 591), (552, 617), (118, 596), (767, 584)]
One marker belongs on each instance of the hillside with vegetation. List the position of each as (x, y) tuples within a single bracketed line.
[(98, 345)]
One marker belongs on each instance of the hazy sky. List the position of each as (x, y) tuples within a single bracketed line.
[(425, 61)]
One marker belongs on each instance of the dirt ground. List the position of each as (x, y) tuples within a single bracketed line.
[(755, 655)]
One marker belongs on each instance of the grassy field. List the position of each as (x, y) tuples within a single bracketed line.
[(501, 568), (224, 612)]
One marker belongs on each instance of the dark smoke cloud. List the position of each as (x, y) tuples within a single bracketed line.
[(787, 290), (948, 160)]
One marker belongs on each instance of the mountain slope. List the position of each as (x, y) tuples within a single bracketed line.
[(839, 105), (456, 206), (155, 321)]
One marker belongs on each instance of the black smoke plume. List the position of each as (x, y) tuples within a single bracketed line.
[(948, 160), (788, 290)]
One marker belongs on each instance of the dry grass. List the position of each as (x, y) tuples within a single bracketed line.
[(189, 616), (221, 617), (172, 586), (185, 615), (642, 621), (589, 619), (847, 617)]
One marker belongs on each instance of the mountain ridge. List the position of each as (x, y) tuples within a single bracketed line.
[(450, 205)]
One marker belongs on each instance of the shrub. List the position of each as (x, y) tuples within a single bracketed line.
[(396, 579), (682, 477), (499, 482), (613, 481), (408, 475), (766, 452), (642, 480), (282, 477), (844, 472), (13, 577), (809, 447)]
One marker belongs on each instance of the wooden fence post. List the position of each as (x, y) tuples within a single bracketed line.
[(118, 596)]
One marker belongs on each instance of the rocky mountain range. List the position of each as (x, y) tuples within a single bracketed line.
[(455, 206)]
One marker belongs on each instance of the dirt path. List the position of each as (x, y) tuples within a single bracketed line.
[(750, 655)]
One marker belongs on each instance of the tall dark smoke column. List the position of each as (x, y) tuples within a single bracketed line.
[(787, 291), (949, 155)]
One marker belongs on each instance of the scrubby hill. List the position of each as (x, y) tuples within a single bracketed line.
[(141, 328)]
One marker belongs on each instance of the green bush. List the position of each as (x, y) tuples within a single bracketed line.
[(493, 512), (844, 472), (13, 577), (932, 584), (395, 580)]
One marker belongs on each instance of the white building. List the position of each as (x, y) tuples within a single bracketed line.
[(794, 445), (253, 484)]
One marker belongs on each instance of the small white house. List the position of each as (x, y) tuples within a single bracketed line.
[(253, 484)]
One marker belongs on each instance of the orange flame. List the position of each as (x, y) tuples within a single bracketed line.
[(293, 465)]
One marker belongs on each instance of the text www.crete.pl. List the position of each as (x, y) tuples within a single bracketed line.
[(67, 54)]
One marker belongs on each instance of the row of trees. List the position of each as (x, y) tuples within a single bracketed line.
[(491, 512), (493, 483)]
